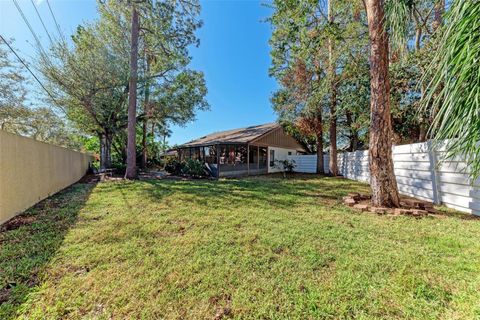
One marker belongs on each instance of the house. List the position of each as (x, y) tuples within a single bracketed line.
[(245, 151)]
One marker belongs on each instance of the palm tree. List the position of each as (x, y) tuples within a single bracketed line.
[(388, 23), (383, 182), (454, 89)]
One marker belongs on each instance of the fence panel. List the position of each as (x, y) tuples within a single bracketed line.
[(420, 174), (31, 171), (308, 163)]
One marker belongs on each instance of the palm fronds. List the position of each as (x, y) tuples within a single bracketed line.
[(398, 14), (454, 89)]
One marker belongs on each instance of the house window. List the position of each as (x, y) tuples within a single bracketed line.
[(289, 153), (272, 158)]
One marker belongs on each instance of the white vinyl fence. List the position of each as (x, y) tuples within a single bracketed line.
[(419, 174), (307, 163)]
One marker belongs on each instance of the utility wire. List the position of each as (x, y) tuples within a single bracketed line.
[(41, 20), (54, 19), (26, 66), (39, 44)]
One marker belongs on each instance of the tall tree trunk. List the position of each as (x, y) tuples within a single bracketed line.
[(353, 133), (164, 146), (422, 121), (105, 150), (319, 134), (418, 38), (143, 164), (422, 134), (383, 183), (332, 164), (131, 172), (146, 110), (439, 9)]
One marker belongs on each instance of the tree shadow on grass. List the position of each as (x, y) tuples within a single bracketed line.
[(272, 190), (30, 240)]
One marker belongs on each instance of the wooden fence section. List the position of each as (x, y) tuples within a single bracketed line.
[(31, 171), (421, 174)]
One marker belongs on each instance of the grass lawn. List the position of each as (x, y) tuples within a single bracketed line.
[(254, 248)]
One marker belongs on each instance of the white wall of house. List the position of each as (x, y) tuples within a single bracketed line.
[(280, 154)]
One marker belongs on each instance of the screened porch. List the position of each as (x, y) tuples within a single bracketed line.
[(227, 160)]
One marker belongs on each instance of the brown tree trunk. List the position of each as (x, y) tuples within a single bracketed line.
[(105, 151), (418, 38), (332, 164), (146, 110), (353, 134), (383, 183), (439, 9), (131, 172), (422, 132), (319, 134), (143, 164), (422, 125), (164, 146)]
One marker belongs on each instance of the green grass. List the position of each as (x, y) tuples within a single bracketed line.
[(252, 248)]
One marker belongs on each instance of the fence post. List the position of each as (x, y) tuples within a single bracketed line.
[(433, 172)]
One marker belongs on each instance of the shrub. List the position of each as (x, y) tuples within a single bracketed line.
[(119, 167), (173, 166), (286, 165), (194, 168)]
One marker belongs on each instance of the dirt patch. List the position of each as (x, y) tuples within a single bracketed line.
[(223, 306), (4, 295), (149, 175), (17, 221), (90, 178), (278, 250), (162, 175)]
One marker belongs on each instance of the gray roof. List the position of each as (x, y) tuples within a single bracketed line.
[(242, 135), (171, 152)]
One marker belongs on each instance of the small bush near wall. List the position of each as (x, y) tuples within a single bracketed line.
[(286, 166), (173, 166), (194, 168), (190, 167)]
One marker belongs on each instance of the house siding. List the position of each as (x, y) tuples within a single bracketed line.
[(280, 155), (278, 138)]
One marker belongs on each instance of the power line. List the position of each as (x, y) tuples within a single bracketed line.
[(26, 66), (54, 19), (41, 20), (39, 44)]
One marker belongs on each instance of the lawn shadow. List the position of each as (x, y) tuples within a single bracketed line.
[(273, 190), (29, 241)]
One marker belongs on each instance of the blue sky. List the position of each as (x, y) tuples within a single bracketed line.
[(233, 54)]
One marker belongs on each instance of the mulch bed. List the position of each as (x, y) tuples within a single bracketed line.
[(408, 206)]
